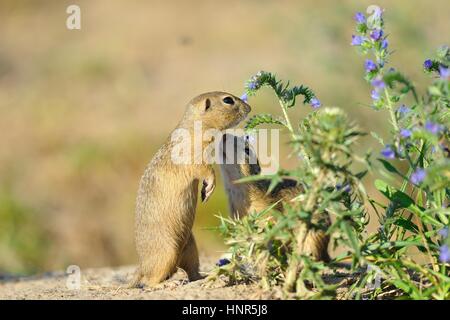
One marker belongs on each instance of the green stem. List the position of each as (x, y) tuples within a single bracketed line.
[(286, 118), (391, 111), (411, 169), (389, 101), (301, 233), (291, 130)]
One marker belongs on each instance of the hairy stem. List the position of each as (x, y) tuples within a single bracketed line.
[(292, 132), (390, 109), (302, 232)]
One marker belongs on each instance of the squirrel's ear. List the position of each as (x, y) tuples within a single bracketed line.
[(207, 104)]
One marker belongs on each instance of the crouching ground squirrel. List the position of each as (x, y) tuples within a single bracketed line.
[(167, 195), (245, 198)]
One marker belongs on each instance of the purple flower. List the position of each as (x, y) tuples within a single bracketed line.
[(359, 17), (405, 133), (444, 254), (375, 95), (444, 73), (315, 103), (428, 64), (244, 97), (346, 188), (370, 65), (384, 44), (252, 85), (432, 127), (376, 34), (222, 262), (418, 176), (357, 40), (388, 153), (377, 13), (378, 83), (443, 232), (403, 109)]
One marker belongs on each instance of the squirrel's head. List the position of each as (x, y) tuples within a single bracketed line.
[(217, 110), (238, 159)]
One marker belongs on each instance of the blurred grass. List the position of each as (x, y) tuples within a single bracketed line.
[(82, 112), (23, 241)]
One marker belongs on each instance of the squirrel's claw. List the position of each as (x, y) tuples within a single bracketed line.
[(207, 190)]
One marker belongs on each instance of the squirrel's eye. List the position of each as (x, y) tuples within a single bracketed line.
[(228, 100)]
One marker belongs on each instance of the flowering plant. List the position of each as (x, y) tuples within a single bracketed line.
[(415, 215)]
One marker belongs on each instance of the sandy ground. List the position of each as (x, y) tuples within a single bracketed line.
[(111, 283)]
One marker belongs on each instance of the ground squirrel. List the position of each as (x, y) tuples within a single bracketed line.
[(245, 198), (167, 195)]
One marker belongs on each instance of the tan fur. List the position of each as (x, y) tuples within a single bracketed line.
[(245, 198), (167, 196)]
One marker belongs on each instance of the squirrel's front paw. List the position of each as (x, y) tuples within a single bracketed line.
[(208, 188)]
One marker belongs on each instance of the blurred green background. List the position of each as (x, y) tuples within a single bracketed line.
[(82, 112)]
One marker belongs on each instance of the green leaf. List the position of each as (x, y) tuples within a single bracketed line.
[(442, 52), (434, 91), (259, 119), (289, 95), (394, 244), (350, 232), (257, 177), (406, 224), (273, 183), (283, 92), (393, 77), (361, 174), (389, 167), (377, 137), (399, 198)]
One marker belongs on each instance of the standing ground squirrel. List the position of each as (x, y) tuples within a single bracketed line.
[(245, 198), (167, 195)]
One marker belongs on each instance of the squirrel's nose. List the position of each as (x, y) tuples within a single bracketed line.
[(246, 108)]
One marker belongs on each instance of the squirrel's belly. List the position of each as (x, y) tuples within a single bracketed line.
[(159, 204)]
